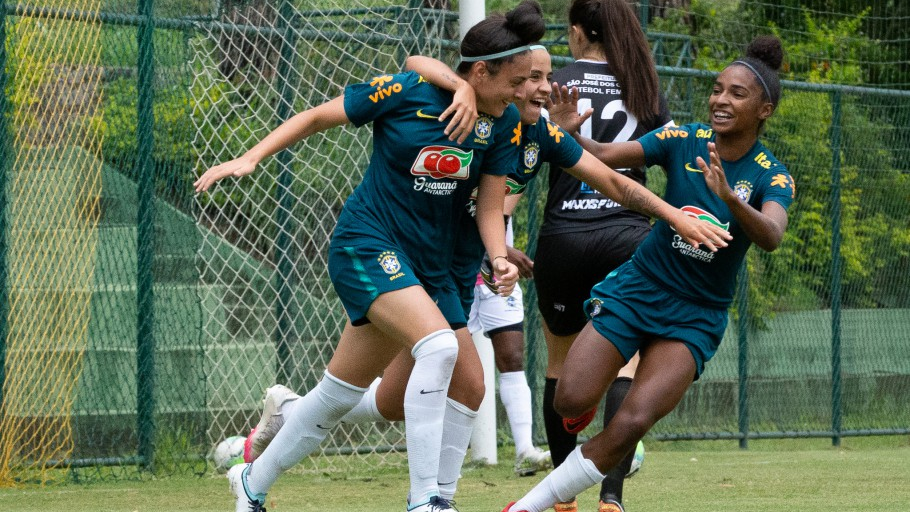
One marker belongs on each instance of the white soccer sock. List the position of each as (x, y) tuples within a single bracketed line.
[(456, 435), (516, 398), (307, 424), (366, 410), (565, 482), (424, 410)]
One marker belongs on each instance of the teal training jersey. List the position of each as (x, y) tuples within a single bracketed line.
[(699, 275), (418, 182), (541, 142)]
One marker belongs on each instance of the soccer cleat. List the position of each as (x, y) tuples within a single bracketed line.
[(610, 505), (576, 425), (270, 423), (246, 502), (566, 506), (637, 460), (509, 506), (434, 504), (532, 461)]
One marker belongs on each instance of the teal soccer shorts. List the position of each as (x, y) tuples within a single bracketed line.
[(362, 272), (629, 310)]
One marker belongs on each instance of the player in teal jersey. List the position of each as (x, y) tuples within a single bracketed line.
[(669, 301), (392, 248)]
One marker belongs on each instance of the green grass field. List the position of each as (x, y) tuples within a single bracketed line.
[(787, 475)]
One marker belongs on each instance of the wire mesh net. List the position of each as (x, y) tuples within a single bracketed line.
[(52, 187), (265, 237)]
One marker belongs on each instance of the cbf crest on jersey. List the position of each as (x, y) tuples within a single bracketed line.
[(743, 190), (531, 155), (389, 262), (483, 128)]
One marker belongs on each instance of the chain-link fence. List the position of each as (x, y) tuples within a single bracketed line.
[(141, 324)]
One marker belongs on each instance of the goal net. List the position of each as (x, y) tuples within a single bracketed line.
[(52, 178)]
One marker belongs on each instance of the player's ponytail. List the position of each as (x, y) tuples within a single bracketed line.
[(613, 25), (500, 37)]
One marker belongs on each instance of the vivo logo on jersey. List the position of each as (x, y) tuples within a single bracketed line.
[(440, 162), (671, 132), (383, 92)]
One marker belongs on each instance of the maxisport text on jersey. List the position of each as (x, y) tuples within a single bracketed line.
[(589, 204)]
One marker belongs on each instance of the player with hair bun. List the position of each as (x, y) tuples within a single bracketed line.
[(669, 301), (392, 248), (586, 235)]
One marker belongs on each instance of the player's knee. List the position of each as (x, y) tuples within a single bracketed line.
[(569, 404), (633, 425), (441, 347), (468, 392), (510, 362)]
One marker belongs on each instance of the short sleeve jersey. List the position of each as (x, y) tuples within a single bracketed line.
[(418, 182), (699, 275), (541, 142), (572, 205)]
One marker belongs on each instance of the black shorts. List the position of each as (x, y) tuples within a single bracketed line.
[(567, 266)]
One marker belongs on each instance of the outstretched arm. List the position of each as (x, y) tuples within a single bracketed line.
[(634, 196), (306, 123), (464, 102), (766, 227)]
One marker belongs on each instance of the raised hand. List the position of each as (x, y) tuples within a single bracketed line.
[(563, 109), (696, 232), (714, 174)]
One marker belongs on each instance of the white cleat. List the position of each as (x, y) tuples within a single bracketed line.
[(270, 422), (246, 502), (532, 461)]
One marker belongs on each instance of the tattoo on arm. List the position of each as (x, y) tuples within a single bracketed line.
[(634, 198), (449, 78)]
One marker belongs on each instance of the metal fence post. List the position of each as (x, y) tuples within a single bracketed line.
[(285, 249), (743, 327), (4, 168), (836, 263), (145, 238)]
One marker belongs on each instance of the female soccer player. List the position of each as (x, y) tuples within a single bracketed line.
[(391, 250), (669, 302), (586, 235)]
